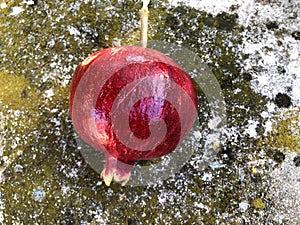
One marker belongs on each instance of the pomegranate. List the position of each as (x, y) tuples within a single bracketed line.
[(132, 103)]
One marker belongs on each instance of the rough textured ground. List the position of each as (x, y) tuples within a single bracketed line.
[(252, 48)]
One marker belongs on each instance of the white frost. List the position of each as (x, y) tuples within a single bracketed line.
[(214, 122), (2, 207), (3, 6), (213, 7), (243, 206), (267, 49), (207, 177), (29, 2), (73, 31), (49, 93), (38, 194), (202, 206), (251, 129), (275, 54), (16, 10), (268, 126), (285, 190)]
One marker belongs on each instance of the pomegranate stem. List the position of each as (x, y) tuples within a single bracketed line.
[(144, 13)]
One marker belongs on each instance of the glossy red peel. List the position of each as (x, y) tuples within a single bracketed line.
[(133, 104)]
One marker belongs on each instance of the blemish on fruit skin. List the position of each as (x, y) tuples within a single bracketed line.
[(136, 59), (88, 60)]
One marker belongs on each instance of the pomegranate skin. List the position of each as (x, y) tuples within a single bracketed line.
[(133, 104)]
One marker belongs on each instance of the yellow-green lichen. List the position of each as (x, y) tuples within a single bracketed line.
[(258, 203), (285, 133), (16, 93), (18, 101)]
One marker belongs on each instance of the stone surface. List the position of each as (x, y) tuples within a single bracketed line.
[(42, 42)]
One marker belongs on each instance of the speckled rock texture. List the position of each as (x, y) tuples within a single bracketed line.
[(251, 172)]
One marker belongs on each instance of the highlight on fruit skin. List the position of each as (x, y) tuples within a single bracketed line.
[(131, 103)]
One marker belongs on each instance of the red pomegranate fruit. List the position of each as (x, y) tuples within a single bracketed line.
[(132, 103)]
